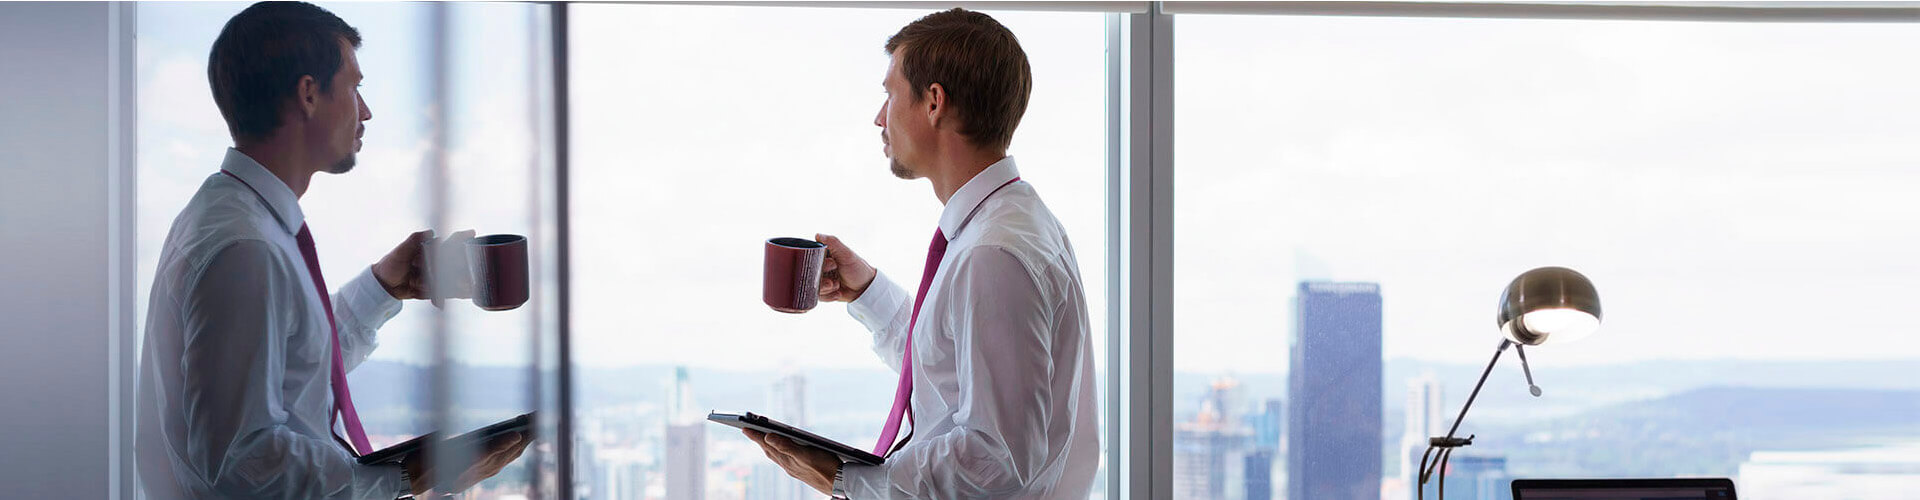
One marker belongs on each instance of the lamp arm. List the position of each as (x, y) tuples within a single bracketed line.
[(1476, 388)]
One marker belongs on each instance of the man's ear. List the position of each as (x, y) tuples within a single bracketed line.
[(306, 95), (936, 98)]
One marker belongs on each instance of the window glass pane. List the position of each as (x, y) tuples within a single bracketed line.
[(1354, 194), (498, 181), (701, 131), (496, 153)]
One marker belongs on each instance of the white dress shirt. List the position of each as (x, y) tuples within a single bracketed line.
[(1003, 383), (234, 394)]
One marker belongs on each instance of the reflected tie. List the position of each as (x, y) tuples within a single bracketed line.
[(903, 392), (342, 399)]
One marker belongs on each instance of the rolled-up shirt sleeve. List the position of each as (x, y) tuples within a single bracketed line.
[(238, 440), (885, 309), (1003, 354)]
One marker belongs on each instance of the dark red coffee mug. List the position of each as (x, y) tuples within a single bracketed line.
[(499, 266), (792, 279)]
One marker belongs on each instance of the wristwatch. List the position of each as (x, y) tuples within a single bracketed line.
[(840, 482), (406, 482)]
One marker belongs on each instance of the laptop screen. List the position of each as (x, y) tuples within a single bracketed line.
[(1623, 489)]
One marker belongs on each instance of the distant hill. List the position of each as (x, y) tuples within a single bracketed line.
[(1701, 431)]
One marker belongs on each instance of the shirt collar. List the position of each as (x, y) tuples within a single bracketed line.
[(280, 199), (961, 206)]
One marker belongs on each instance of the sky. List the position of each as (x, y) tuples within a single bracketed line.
[(1734, 190)]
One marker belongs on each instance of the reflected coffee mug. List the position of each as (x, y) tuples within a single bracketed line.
[(792, 281), (498, 263)]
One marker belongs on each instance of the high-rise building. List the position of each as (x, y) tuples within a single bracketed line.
[(1333, 393), (1424, 419), (686, 461), (1263, 449), (1259, 474), (1209, 451), (619, 474), (786, 402), (686, 465)]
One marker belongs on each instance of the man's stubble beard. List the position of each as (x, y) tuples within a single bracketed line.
[(344, 165), (899, 169)]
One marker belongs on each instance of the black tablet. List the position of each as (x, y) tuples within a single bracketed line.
[(395, 453), (747, 420)]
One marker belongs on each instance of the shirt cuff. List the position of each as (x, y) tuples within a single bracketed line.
[(877, 306), (400, 479), (368, 300), (377, 481), (865, 481)]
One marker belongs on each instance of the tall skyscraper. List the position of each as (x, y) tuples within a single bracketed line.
[(1333, 393), (1209, 451), (787, 399), (686, 443), (619, 475), (786, 402), (1424, 419), (1263, 449)]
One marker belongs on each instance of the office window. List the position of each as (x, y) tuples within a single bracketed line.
[(1354, 193), (701, 131), (496, 144)]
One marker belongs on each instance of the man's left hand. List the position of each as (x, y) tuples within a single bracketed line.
[(403, 272), (810, 465)]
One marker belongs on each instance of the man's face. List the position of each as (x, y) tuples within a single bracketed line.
[(905, 130), (338, 122)]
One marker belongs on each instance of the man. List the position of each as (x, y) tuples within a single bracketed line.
[(243, 376), (996, 366)]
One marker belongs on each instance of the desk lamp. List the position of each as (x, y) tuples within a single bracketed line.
[(1549, 304)]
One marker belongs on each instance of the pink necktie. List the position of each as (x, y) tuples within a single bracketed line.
[(903, 391), (342, 398)]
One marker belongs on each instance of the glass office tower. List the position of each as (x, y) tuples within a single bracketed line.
[(1333, 393)]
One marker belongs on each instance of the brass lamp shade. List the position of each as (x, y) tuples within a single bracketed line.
[(1549, 303)]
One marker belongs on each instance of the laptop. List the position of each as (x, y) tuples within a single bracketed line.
[(1624, 489)]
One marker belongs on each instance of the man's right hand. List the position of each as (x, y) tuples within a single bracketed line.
[(500, 451), (844, 275)]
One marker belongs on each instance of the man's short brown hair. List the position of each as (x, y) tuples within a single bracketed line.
[(259, 57), (980, 65)]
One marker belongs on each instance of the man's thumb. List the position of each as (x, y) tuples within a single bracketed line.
[(830, 241)]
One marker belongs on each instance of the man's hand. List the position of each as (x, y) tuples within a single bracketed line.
[(843, 275), (403, 272), (810, 465), (500, 451)]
